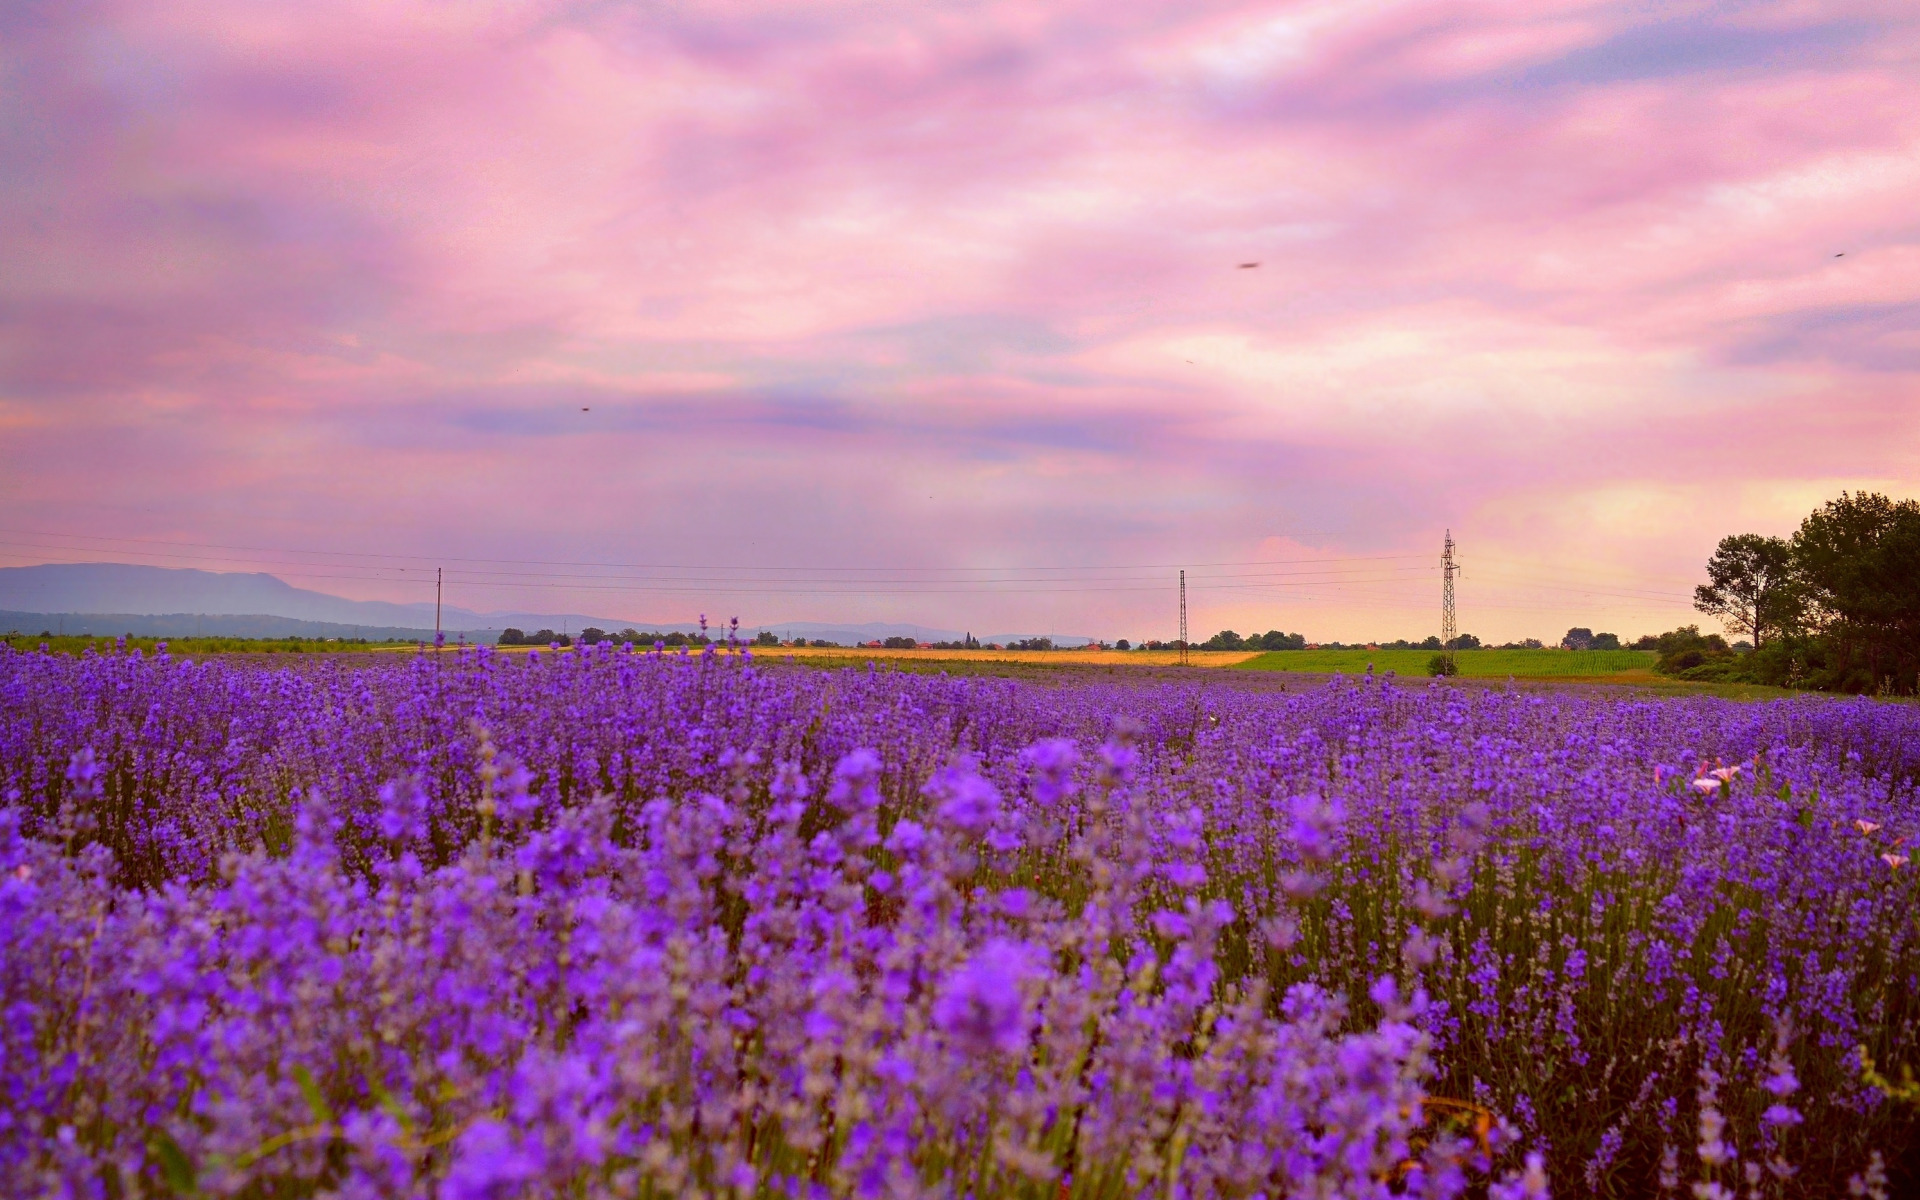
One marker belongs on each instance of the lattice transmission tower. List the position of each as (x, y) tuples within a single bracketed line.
[(1183, 618), (1449, 626)]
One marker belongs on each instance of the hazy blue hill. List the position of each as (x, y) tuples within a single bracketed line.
[(107, 588), (178, 601), (124, 588), (176, 625)]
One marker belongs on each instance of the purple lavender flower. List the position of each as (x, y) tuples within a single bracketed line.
[(83, 772), (1315, 824), (489, 1162), (589, 928), (1529, 1184), (907, 838), (983, 1006), (403, 811), (963, 799), (856, 779), (1052, 762)]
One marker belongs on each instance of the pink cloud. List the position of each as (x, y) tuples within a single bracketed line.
[(927, 288)]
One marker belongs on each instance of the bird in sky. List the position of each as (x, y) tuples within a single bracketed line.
[(586, 410), (1842, 254), (1248, 266)]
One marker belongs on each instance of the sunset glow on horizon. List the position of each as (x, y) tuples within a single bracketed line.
[(938, 312)]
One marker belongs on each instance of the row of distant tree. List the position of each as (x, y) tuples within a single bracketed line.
[(592, 636), (1227, 639), (1834, 607), (1684, 651)]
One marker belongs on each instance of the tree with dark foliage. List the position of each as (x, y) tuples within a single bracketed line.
[(1690, 654), (1858, 559), (1751, 586), (1836, 607)]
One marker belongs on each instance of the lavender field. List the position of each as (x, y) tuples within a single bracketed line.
[(616, 923)]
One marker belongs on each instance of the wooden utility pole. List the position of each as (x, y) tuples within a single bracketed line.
[(438, 575)]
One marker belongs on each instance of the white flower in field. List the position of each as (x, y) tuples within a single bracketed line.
[(1865, 826), (1894, 861), (1707, 782)]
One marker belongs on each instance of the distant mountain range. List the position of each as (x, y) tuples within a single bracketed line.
[(174, 625), (116, 598)]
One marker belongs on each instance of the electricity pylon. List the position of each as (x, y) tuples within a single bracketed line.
[(1183, 618), (1449, 627)]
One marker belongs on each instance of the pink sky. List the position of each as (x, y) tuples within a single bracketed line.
[(931, 312)]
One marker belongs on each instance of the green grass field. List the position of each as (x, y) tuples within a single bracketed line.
[(1499, 664)]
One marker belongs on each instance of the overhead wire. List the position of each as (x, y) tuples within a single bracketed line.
[(617, 577), (435, 560), (1373, 579)]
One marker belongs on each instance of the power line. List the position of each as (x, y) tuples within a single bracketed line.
[(1585, 590), (538, 562), (747, 586), (615, 580), (1376, 575), (1291, 588), (604, 567)]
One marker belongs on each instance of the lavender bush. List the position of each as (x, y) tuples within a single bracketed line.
[(617, 923)]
